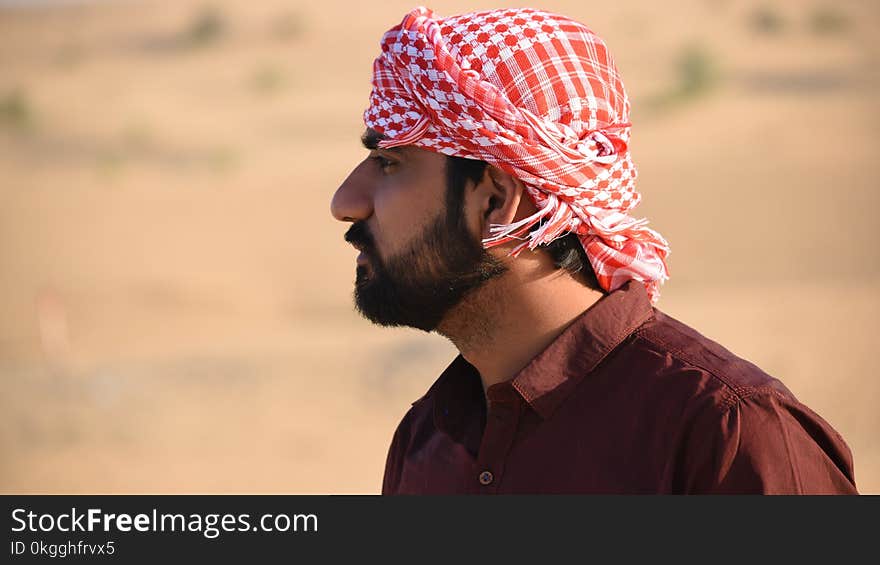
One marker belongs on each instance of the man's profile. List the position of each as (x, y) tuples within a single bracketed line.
[(493, 209)]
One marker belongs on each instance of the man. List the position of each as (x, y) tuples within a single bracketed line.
[(493, 210)]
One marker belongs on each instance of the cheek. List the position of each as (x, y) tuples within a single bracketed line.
[(401, 215)]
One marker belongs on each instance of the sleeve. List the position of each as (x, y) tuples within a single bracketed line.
[(766, 443)]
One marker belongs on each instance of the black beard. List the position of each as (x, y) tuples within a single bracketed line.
[(418, 287)]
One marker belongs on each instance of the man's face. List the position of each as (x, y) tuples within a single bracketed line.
[(417, 261)]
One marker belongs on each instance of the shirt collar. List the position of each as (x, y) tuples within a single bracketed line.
[(551, 375)]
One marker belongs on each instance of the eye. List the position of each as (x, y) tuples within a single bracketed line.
[(383, 163)]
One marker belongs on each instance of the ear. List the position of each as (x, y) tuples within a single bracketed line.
[(500, 198)]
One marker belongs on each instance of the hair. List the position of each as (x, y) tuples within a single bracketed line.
[(567, 252)]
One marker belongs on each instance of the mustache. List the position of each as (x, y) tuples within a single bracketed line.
[(359, 235)]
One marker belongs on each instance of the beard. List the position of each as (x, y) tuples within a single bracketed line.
[(420, 285)]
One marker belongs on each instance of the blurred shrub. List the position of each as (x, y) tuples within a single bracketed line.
[(137, 138), (15, 110), (765, 19), (827, 20), (207, 26), (223, 159), (288, 26), (110, 162), (267, 79), (69, 55), (697, 71)]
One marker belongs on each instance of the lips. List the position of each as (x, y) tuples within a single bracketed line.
[(363, 256), (359, 237)]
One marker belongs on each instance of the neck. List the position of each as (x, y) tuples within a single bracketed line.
[(503, 325)]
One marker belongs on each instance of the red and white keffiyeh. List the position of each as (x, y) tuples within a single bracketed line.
[(537, 95)]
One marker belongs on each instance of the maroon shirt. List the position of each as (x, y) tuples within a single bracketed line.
[(625, 400)]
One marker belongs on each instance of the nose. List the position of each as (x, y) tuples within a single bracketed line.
[(353, 200)]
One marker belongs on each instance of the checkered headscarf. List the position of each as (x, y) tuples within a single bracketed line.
[(538, 96)]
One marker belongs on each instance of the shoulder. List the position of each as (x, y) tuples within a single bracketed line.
[(741, 430), (698, 361), (765, 442), (667, 371)]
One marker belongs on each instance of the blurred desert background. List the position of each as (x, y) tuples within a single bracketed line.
[(175, 298)]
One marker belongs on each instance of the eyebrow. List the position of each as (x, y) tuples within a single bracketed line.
[(371, 138)]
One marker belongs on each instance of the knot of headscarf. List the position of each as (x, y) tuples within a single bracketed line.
[(537, 95)]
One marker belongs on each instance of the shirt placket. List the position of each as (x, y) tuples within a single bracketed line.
[(501, 423)]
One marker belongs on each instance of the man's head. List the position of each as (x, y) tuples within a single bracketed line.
[(505, 128), (442, 260)]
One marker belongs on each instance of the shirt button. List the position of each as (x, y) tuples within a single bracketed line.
[(486, 478)]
